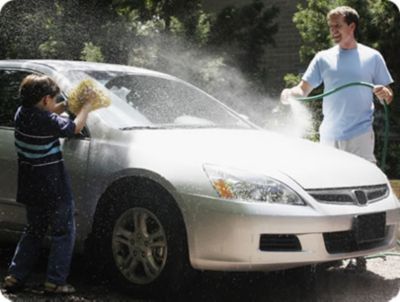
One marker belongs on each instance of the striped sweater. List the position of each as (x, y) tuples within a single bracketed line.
[(37, 134)]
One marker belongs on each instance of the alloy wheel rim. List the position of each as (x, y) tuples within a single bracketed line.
[(139, 245)]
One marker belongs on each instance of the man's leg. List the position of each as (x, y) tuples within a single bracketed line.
[(362, 145), (329, 142)]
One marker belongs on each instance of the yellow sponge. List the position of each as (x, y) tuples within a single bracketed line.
[(85, 91)]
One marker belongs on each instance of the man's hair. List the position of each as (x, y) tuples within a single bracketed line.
[(34, 87), (350, 15)]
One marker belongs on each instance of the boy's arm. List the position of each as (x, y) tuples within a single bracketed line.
[(81, 117)]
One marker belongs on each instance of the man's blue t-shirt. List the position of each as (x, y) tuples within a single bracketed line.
[(348, 112)]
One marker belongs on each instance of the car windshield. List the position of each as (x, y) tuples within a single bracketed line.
[(156, 102)]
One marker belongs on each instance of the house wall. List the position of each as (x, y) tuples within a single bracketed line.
[(282, 58)]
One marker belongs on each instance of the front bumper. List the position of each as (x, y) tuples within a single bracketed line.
[(231, 236)]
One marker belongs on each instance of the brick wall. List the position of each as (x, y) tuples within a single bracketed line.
[(284, 57)]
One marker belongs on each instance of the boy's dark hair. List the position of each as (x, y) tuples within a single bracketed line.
[(34, 87)]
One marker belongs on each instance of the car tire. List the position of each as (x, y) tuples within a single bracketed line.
[(140, 241)]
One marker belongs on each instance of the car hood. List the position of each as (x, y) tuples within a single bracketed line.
[(310, 164)]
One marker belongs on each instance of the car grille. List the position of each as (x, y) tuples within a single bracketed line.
[(351, 196), (368, 231), (279, 243), (345, 242)]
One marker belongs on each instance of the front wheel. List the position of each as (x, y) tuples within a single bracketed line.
[(139, 245), (142, 242)]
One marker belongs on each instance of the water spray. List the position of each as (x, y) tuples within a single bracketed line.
[(385, 106)]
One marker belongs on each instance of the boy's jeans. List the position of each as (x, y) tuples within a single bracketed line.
[(60, 218)]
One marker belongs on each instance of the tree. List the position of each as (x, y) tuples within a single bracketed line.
[(49, 29), (248, 30), (174, 36), (21, 31)]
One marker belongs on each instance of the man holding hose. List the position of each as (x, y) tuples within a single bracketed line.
[(348, 113)]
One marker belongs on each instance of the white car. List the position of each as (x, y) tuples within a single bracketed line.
[(168, 179)]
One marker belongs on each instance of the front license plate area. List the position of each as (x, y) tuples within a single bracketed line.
[(369, 228)]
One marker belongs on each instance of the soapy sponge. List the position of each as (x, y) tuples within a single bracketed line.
[(85, 91)]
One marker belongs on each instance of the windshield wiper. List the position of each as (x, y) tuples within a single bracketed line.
[(174, 126), (140, 127)]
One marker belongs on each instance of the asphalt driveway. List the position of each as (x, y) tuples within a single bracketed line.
[(379, 283)]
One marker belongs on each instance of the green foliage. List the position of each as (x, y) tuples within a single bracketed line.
[(48, 29), (21, 30), (135, 31), (176, 26), (91, 53), (221, 53), (291, 79), (247, 30), (203, 28), (50, 48), (311, 23)]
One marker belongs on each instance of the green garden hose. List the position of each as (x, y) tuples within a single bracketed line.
[(386, 114)]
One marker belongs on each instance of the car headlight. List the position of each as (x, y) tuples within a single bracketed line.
[(244, 186)]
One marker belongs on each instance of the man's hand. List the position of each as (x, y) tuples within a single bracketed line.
[(300, 90), (383, 93), (286, 95)]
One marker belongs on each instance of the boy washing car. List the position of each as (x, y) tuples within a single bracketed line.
[(43, 183)]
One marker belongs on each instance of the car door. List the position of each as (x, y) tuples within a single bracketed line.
[(12, 215)]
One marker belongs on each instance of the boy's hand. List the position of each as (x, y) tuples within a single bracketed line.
[(90, 96)]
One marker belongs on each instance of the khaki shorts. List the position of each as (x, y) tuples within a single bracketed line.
[(362, 145)]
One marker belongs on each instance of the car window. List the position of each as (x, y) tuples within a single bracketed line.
[(9, 100), (167, 102)]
